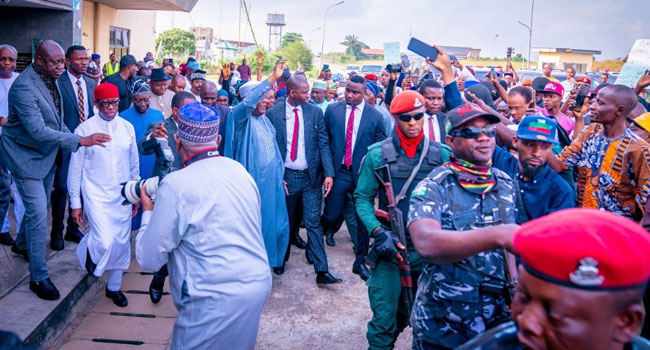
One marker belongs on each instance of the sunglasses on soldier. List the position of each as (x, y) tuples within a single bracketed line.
[(407, 117), (472, 132)]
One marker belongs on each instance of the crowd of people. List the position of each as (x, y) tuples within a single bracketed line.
[(482, 209)]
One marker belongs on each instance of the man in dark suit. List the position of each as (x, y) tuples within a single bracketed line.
[(352, 126), (77, 96), (208, 94), (434, 119), (302, 140), (166, 130), (30, 142)]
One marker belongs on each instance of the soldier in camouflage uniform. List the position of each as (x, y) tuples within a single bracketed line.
[(399, 155), (581, 282), (459, 217)]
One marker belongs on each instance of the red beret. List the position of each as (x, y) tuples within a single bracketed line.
[(104, 91), (584, 79), (406, 101), (585, 249), (371, 76)]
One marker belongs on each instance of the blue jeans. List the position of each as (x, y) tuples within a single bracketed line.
[(35, 194)]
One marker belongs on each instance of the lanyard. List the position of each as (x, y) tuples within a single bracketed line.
[(206, 153)]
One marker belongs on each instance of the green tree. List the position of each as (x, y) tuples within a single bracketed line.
[(176, 42), (353, 46), (299, 57), (290, 38), (270, 58)]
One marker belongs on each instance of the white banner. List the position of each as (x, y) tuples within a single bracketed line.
[(638, 61)]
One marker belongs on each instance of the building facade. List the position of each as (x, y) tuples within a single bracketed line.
[(563, 58)]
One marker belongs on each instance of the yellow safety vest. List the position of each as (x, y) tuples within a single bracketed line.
[(110, 69)]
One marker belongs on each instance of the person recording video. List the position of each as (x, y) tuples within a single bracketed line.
[(166, 130), (206, 225)]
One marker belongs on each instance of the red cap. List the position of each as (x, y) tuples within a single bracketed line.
[(406, 101), (371, 76), (552, 86), (104, 91), (585, 249), (584, 79), (527, 82)]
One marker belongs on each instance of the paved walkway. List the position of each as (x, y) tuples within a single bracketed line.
[(298, 315)]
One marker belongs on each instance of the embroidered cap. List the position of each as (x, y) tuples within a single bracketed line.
[(406, 101), (198, 122), (585, 249), (537, 128)]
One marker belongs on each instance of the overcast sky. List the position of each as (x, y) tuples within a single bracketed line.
[(610, 26)]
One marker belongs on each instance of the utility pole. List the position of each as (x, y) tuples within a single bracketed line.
[(322, 46)]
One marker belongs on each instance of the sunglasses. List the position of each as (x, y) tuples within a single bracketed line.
[(473, 132), (407, 117), (104, 104)]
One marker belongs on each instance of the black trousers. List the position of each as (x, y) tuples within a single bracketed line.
[(335, 203), (304, 202), (59, 197)]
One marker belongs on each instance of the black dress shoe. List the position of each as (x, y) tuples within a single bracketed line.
[(90, 265), (73, 235), (329, 239), (156, 288), (361, 270), (21, 252), (278, 270), (56, 241), (310, 260), (118, 298), (299, 242), (323, 278), (5, 238), (45, 289)]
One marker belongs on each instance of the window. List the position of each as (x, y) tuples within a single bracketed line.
[(579, 67), (119, 41)]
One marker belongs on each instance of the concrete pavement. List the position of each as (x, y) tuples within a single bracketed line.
[(298, 314)]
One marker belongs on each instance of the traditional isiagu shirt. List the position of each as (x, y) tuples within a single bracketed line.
[(98, 173), (613, 174)]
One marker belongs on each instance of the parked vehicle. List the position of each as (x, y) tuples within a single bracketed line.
[(371, 68), (351, 68)]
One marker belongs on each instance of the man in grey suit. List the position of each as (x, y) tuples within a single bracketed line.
[(30, 142), (166, 130), (77, 96), (302, 140)]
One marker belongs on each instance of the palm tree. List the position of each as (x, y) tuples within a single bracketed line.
[(353, 46)]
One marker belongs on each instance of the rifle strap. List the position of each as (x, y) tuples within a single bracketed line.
[(414, 172)]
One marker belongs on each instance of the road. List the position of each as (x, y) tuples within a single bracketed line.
[(298, 314)]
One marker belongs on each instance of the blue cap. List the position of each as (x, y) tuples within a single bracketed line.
[(222, 92), (372, 87), (194, 65), (469, 83), (537, 128), (198, 122), (95, 56)]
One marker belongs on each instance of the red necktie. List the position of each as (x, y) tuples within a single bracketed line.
[(294, 139), (432, 135), (347, 158)]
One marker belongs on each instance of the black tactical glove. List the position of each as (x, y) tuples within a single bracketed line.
[(385, 242)]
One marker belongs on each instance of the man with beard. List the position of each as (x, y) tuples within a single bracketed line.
[(580, 285), (161, 97), (539, 190), (98, 174)]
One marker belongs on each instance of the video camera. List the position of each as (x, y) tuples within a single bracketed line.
[(165, 157)]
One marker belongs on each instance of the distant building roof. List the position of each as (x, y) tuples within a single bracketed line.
[(566, 50), (225, 45), (456, 50), (240, 44), (372, 51)]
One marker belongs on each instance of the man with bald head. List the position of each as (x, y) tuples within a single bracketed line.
[(178, 83), (209, 94), (612, 161), (30, 142), (304, 147)]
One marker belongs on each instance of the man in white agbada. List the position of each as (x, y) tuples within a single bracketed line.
[(97, 173), (206, 226)]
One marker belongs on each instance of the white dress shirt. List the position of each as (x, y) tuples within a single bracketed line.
[(358, 111), (5, 84), (301, 159), (87, 104), (433, 120)]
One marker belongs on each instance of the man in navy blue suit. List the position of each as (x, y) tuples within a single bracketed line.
[(304, 146), (352, 126)]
